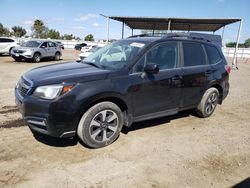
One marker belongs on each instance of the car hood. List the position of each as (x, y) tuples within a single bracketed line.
[(65, 72), (24, 48)]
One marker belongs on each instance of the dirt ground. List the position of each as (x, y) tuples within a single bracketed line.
[(176, 151)]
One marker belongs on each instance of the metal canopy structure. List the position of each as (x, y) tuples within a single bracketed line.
[(178, 24)]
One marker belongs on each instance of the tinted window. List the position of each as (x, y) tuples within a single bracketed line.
[(213, 55), (3, 40), (44, 45), (193, 54), (164, 55), (9, 40), (52, 44)]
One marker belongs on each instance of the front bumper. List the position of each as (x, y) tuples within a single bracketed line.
[(47, 117), (21, 55)]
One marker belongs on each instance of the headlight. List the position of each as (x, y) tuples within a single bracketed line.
[(51, 91)]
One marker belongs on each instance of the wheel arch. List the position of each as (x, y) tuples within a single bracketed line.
[(108, 97), (219, 88)]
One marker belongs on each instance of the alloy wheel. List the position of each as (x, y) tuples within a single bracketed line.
[(104, 125)]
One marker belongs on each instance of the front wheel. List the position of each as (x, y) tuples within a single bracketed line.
[(208, 103), (37, 57), (100, 125)]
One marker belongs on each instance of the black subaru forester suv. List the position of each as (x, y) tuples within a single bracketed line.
[(127, 81)]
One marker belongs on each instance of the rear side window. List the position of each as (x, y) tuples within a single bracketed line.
[(3, 40), (9, 40), (213, 55), (193, 54)]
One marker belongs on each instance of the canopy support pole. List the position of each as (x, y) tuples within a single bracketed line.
[(132, 32), (169, 24), (107, 29), (222, 35), (154, 30), (122, 30), (235, 63)]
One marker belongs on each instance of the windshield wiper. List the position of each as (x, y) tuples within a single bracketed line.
[(93, 64)]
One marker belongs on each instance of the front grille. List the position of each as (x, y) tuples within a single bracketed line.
[(23, 91), (23, 86), (18, 51)]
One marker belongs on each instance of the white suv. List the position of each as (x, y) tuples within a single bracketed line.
[(6, 44)]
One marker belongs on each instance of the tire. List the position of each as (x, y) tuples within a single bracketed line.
[(10, 50), (208, 103), (18, 59), (37, 57), (100, 125), (57, 56)]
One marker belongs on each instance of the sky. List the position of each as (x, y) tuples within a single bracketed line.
[(82, 17)]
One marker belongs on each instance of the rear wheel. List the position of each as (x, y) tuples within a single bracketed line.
[(57, 56), (100, 125), (208, 103), (37, 58)]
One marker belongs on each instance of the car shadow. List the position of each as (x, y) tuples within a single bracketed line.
[(157, 121), (55, 142), (243, 184), (65, 142)]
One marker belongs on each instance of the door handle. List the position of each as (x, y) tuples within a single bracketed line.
[(176, 78)]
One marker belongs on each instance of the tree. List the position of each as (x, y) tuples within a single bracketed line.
[(68, 37), (233, 45), (39, 29), (18, 31), (247, 43), (89, 37), (53, 34), (4, 31)]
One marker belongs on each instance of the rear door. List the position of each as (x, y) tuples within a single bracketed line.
[(196, 73), (52, 49)]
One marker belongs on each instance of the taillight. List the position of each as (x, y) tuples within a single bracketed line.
[(228, 69)]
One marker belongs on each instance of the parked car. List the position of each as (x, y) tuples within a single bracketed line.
[(149, 77), (83, 55), (36, 50), (88, 47), (79, 46), (60, 44), (6, 45)]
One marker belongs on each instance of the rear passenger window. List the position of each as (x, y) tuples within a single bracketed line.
[(193, 54), (213, 55), (9, 40)]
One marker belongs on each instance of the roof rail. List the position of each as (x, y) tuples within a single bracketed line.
[(216, 39)]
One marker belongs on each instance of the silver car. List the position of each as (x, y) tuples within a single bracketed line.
[(36, 50)]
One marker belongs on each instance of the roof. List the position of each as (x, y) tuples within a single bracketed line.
[(182, 24)]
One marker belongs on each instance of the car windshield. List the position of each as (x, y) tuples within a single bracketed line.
[(115, 55), (31, 44), (94, 49)]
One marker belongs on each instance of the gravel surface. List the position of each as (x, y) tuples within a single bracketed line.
[(176, 151)]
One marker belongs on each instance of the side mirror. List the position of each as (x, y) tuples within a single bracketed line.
[(151, 68)]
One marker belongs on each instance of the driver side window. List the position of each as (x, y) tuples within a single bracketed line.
[(44, 45), (164, 55)]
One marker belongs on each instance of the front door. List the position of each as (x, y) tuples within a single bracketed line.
[(155, 93)]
